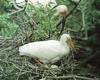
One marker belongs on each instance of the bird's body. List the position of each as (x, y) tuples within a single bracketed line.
[(46, 51)]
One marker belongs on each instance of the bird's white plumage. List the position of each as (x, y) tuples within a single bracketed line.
[(61, 9), (37, 3), (47, 51), (46, 4)]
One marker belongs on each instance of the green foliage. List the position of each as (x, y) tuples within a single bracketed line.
[(19, 25), (7, 27), (46, 23), (4, 4)]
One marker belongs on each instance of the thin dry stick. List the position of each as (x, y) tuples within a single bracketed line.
[(70, 77), (15, 12), (20, 73), (15, 5)]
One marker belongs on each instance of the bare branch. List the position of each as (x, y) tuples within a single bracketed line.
[(70, 77)]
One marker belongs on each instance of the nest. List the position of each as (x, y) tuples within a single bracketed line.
[(13, 66)]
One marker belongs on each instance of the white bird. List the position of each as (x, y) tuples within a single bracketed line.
[(38, 3), (61, 10), (48, 51)]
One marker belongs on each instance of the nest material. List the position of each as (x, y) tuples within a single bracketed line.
[(13, 66)]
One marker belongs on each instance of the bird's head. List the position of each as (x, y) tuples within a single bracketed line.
[(66, 38), (61, 10)]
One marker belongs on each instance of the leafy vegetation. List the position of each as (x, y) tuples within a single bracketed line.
[(30, 24)]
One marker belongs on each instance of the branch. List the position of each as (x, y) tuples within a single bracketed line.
[(63, 24), (31, 21), (15, 12), (70, 76), (14, 4), (18, 8)]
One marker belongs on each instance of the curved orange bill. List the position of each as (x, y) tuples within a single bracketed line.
[(37, 61), (70, 43)]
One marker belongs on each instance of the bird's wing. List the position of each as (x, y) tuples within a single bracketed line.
[(46, 51)]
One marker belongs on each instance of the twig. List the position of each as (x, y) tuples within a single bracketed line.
[(63, 24), (14, 4), (16, 12), (32, 22), (20, 72), (18, 9), (70, 76)]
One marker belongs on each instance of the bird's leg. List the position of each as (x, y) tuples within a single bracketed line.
[(37, 61)]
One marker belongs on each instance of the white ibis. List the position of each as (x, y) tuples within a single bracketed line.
[(49, 51), (61, 10)]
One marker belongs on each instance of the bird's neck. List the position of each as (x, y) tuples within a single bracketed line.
[(64, 43)]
